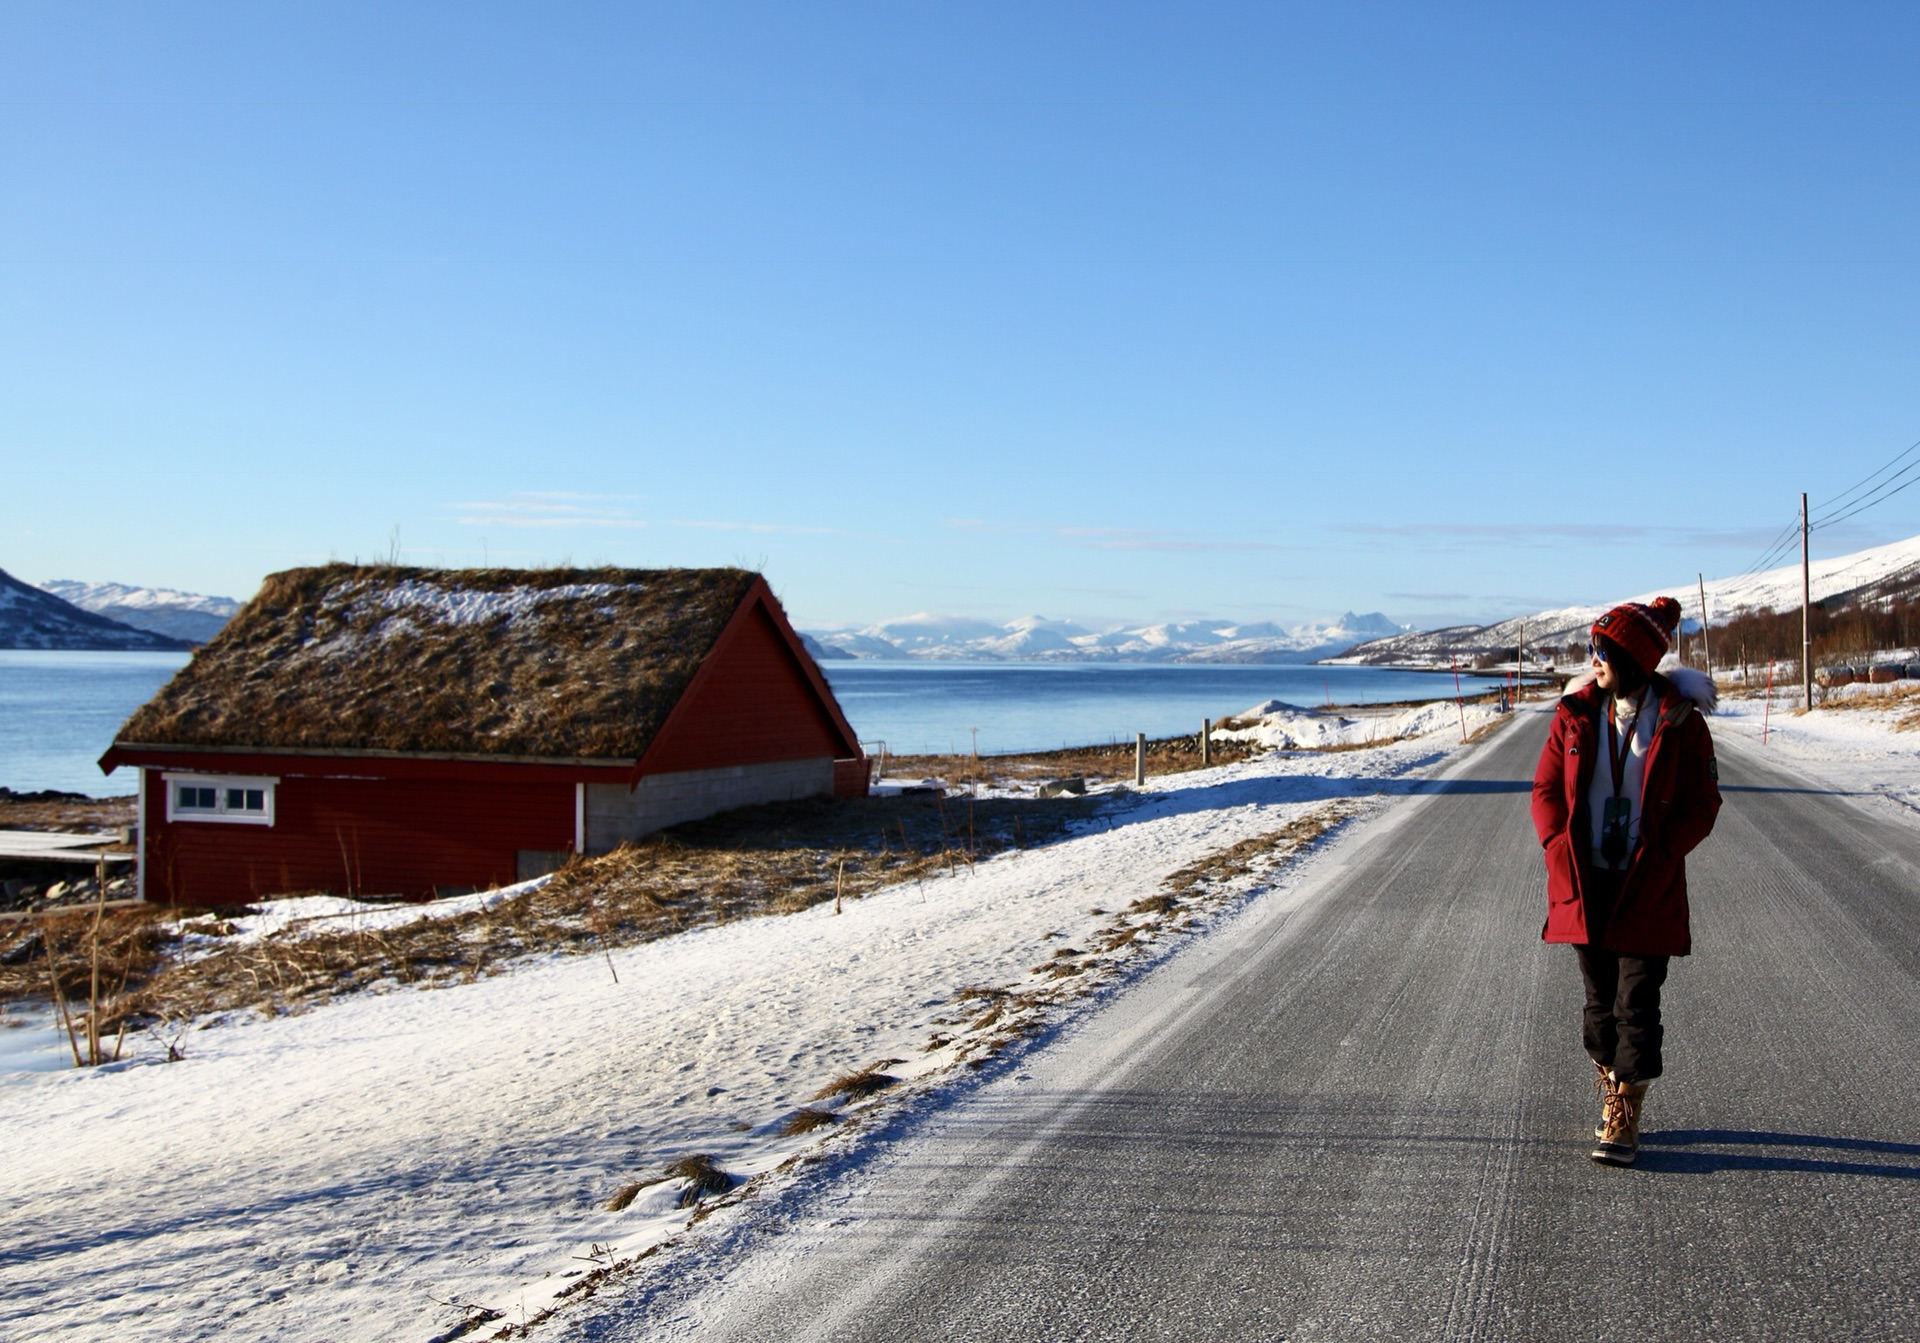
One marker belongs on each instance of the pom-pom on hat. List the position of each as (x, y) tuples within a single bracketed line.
[(1642, 632)]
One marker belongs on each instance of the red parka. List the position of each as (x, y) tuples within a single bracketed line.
[(1679, 801)]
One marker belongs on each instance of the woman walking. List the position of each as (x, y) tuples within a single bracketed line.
[(1626, 787)]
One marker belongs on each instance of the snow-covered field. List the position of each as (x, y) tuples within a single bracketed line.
[(383, 1167), (1851, 741)]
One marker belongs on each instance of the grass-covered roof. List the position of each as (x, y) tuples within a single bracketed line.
[(559, 663)]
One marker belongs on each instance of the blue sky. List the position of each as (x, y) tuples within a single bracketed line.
[(1098, 311)]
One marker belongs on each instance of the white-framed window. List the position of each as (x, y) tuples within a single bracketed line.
[(233, 798)]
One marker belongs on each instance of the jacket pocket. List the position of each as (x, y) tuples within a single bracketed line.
[(1563, 885)]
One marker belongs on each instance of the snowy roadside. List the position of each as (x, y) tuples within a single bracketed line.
[(398, 1165), (1853, 741)]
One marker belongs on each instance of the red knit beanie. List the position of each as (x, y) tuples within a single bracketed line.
[(1641, 632)]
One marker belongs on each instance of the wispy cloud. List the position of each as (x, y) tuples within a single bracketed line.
[(759, 528), (1556, 533), (548, 508), (1139, 538), (1114, 538)]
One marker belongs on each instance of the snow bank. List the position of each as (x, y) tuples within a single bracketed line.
[(1281, 726)]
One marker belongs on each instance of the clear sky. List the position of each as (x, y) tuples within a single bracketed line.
[(1103, 311)]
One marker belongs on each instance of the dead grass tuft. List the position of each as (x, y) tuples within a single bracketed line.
[(806, 1119), (624, 1198), (703, 1177), (858, 1085)]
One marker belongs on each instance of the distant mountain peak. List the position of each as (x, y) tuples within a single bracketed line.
[(928, 636), (33, 618), (190, 616)]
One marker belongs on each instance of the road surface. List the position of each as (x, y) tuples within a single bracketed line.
[(1366, 1116)]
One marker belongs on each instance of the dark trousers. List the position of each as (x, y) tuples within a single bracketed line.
[(1621, 1026)]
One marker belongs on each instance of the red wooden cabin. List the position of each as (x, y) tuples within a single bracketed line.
[(388, 731)]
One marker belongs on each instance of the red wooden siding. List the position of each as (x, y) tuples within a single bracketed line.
[(751, 702), (357, 835)]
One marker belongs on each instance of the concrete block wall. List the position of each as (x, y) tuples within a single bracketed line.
[(615, 815)]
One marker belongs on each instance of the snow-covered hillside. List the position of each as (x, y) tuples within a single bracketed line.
[(32, 618), (1777, 588), (179, 615), (960, 638)]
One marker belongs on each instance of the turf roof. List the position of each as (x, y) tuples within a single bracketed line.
[(559, 663)]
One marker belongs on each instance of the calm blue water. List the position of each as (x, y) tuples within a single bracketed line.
[(920, 708), (59, 711)]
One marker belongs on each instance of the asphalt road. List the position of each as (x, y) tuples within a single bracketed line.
[(1366, 1116)]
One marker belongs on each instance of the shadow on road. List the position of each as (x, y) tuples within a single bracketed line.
[(1667, 1152), (1817, 792)]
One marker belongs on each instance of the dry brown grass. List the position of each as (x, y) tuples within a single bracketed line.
[(805, 1120), (624, 1196), (1167, 755), (703, 1178), (79, 815), (861, 1084), (759, 861), (320, 659), (133, 940)]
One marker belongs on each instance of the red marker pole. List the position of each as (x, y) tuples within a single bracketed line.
[(1766, 714), (1455, 664)]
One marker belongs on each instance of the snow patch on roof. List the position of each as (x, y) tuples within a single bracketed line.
[(474, 606)]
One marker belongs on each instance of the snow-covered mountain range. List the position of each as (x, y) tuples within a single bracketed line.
[(1036, 638), (1895, 563), (178, 615), (33, 618)]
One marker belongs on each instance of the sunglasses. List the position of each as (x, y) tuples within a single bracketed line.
[(1597, 652)]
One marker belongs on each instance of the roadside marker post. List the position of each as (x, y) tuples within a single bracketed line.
[(1460, 703), (1766, 713)]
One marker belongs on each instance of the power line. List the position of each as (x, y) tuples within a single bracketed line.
[(1779, 547), (1829, 503), (1885, 490), (1829, 521)]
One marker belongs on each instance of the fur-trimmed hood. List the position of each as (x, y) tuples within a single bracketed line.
[(1689, 682)]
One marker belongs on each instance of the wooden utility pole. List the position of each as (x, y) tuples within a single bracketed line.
[(1206, 741), (1806, 613), (1139, 758), (1706, 646)]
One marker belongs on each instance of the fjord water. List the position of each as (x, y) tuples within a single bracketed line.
[(59, 711), (931, 708)]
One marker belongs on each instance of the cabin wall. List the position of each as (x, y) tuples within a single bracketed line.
[(751, 703), (357, 836), (616, 814)]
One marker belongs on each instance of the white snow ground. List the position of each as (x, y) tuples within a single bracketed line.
[(1856, 748), (377, 1168)]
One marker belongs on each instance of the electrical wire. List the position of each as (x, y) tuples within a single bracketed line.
[(1840, 497), (1885, 490), (1830, 521), (1780, 545)]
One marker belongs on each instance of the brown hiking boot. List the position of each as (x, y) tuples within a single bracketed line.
[(1603, 1085), (1620, 1124)]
